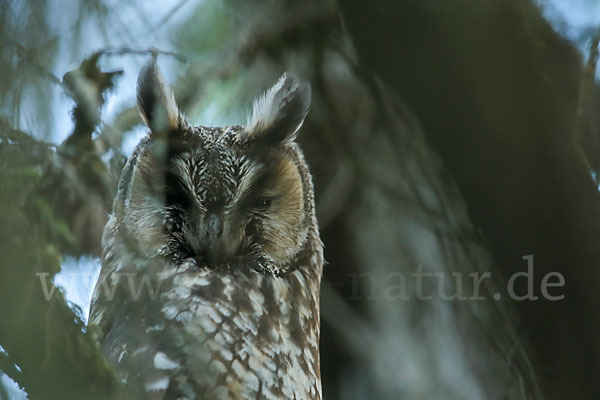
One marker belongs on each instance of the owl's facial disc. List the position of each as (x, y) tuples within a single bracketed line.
[(232, 193), (237, 207)]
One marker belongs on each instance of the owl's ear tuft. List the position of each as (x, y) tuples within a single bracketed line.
[(278, 114), (156, 101)]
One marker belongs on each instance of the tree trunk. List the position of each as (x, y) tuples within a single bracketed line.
[(496, 91)]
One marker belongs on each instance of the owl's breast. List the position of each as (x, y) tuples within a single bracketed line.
[(256, 335)]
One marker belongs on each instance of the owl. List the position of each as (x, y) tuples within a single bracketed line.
[(212, 261)]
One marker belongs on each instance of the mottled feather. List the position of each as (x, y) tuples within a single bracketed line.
[(212, 260)]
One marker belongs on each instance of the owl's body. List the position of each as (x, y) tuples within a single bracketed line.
[(212, 259)]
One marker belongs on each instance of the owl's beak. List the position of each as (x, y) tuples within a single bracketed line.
[(214, 226), (212, 243), (219, 245)]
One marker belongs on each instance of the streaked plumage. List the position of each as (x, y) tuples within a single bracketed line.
[(219, 223)]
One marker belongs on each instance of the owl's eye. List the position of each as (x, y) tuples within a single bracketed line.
[(176, 194), (178, 198), (263, 202)]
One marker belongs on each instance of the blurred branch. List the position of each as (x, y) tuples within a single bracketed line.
[(87, 85), (496, 91), (263, 33), (170, 14), (7, 366), (41, 334), (23, 53), (57, 199), (149, 51), (354, 152)]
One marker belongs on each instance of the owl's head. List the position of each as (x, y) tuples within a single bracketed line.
[(228, 196)]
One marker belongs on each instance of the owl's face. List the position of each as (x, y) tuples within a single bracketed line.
[(226, 201), (226, 197)]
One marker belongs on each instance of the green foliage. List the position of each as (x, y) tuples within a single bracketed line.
[(42, 336), (41, 200)]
